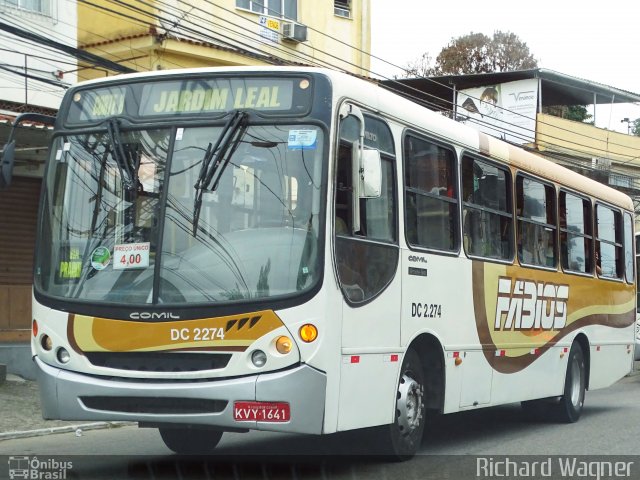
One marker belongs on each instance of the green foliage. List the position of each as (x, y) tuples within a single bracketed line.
[(578, 113), (635, 129), (475, 53)]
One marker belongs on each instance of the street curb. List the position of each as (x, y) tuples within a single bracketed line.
[(67, 429)]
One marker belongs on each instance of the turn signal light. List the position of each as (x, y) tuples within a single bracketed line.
[(283, 345), (308, 333), (34, 328)]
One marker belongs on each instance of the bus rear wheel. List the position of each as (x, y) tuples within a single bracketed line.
[(569, 408), (401, 440), (190, 441)]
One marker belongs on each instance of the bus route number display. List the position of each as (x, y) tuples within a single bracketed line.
[(131, 255)]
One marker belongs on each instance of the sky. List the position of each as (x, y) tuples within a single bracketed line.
[(592, 41)]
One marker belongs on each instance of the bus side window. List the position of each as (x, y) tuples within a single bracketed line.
[(536, 235), (576, 238), (365, 268), (609, 244), (343, 191), (430, 195), (629, 263), (486, 207)]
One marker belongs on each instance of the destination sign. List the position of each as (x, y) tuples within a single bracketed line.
[(191, 96), (199, 96)]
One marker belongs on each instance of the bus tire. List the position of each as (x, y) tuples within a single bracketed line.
[(190, 441), (569, 408), (401, 440)]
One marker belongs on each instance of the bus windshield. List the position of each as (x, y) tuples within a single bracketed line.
[(181, 215)]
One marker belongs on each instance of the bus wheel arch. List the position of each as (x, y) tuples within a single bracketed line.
[(431, 354), (570, 406), (583, 341)]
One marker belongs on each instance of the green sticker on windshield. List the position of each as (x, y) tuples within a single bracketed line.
[(100, 258)]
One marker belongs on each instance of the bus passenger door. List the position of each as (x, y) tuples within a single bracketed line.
[(366, 259)]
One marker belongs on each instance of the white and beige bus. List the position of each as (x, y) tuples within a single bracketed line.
[(299, 250)]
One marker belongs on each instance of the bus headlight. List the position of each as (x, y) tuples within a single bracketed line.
[(284, 344), (259, 358)]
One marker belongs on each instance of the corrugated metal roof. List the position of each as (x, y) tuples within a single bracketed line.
[(557, 88)]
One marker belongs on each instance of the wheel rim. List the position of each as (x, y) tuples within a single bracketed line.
[(576, 383), (409, 405)]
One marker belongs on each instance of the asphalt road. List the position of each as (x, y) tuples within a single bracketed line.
[(610, 426)]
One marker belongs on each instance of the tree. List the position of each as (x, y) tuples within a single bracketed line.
[(578, 113), (476, 53), (635, 129)]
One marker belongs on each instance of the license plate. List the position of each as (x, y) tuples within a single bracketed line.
[(261, 412)]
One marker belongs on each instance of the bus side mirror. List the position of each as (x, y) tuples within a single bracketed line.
[(370, 174), (7, 158), (8, 155)]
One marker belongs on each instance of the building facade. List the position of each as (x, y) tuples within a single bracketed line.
[(34, 74), (167, 34)]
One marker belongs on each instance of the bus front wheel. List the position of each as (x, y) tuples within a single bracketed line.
[(190, 441), (401, 440)]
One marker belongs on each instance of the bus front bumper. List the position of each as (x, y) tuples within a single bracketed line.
[(67, 395)]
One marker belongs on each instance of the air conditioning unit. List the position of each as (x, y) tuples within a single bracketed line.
[(294, 32)]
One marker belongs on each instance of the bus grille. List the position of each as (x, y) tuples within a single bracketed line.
[(159, 361), (154, 405)]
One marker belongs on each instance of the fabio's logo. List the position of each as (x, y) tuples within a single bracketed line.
[(528, 305)]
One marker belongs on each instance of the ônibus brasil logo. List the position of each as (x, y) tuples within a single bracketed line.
[(37, 469), (527, 305)]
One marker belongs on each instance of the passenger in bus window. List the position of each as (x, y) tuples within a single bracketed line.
[(598, 263), (472, 235)]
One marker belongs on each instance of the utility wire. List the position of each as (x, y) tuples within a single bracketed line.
[(199, 33), (80, 54), (517, 133)]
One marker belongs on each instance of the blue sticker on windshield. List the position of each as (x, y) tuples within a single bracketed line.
[(302, 139)]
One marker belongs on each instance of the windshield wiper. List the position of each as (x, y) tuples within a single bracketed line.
[(127, 170), (216, 159)]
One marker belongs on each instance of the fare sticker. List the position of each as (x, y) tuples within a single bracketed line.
[(131, 255)]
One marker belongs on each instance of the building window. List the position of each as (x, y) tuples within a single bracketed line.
[(274, 8), (342, 8), (38, 6)]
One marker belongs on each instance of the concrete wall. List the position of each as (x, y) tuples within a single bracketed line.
[(17, 358), (579, 138)]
